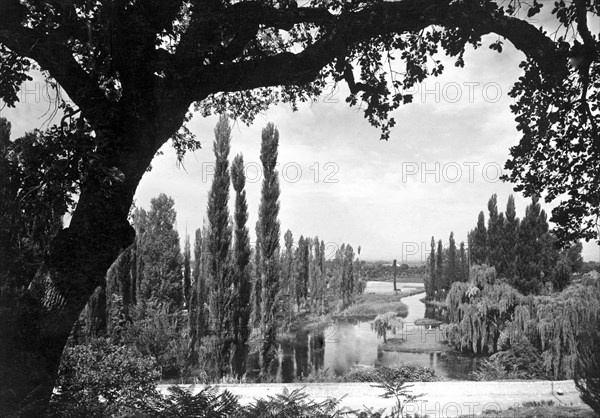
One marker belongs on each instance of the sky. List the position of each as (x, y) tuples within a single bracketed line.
[(340, 181)]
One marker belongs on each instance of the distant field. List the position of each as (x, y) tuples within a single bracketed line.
[(401, 279), (388, 287)]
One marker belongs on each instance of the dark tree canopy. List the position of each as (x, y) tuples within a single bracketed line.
[(151, 60)]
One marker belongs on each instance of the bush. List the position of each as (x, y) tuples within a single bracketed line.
[(405, 372), (519, 361), (102, 379), (587, 369)]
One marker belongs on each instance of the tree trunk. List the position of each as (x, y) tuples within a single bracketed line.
[(35, 323)]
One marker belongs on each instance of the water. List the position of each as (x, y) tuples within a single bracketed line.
[(345, 344)]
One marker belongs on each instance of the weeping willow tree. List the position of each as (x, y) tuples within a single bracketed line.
[(486, 316), (478, 315), (555, 324)]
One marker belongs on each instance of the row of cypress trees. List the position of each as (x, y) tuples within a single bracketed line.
[(446, 266), (524, 252)]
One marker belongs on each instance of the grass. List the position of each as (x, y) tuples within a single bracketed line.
[(370, 305)]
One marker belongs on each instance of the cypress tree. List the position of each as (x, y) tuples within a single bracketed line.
[(220, 275), (451, 263), (430, 284), (241, 283), (464, 264), (269, 243), (495, 234), (162, 278), (536, 255), (479, 241), (509, 241), (315, 291), (439, 271)]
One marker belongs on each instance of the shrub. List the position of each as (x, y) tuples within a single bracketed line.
[(520, 361), (406, 372), (587, 369), (102, 379)]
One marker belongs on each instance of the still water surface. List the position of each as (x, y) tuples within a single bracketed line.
[(345, 344)]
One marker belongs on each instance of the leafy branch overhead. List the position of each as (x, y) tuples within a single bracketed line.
[(154, 59)]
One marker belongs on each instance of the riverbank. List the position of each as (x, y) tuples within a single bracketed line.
[(425, 344), (441, 399), (368, 306)]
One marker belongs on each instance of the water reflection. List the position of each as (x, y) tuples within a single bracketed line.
[(347, 344)]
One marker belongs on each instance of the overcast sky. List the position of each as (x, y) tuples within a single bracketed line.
[(340, 182)]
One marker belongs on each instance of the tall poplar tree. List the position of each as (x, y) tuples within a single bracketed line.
[(255, 298), (241, 283), (187, 271), (198, 315), (349, 274), (439, 271), (220, 274), (464, 264), (302, 270), (288, 281), (430, 285), (269, 230), (494, 233), (451, 263)]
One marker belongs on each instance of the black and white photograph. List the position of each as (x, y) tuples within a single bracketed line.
[(299, 208)]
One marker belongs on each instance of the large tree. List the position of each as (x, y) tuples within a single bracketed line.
[(242, 283), (133, 68), (269, 229), (536, 255), (479, 241), (162, 278), (509, 240), (220, 271), (452, 272)]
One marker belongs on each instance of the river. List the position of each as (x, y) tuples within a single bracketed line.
[(345, 344)]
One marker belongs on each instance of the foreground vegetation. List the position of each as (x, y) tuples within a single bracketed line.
[(106, 380)]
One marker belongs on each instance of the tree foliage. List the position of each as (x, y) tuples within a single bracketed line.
[(161, 253), (220, 272), (269, 230), (102, 379), (241, 254)]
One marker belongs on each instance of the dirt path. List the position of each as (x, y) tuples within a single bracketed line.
[(442, 399)]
